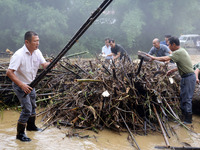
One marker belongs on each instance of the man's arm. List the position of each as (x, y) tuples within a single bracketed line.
[(117, 56), (26, 88), (111, 54), (151, 51), (197, 75), (164, 58), (44, 65), (171, 71), (102, 50)]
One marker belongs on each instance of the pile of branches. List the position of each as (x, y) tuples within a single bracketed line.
[(7, 97), (93, 94)]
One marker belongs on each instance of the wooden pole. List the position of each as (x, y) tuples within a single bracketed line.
[(129, 131), (162, 129)]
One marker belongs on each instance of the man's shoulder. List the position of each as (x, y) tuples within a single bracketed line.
[(104, 46), (153, 48), (164, 46), (118, 45), (179, 52), (163, 42), (19, 52)]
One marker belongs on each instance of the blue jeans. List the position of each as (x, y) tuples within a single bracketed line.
[(186, 93), (28, 103)]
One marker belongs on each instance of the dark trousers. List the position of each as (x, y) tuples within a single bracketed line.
[(187, 91), (28, 103)]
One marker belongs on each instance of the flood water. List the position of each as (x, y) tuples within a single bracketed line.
[(54, 138)]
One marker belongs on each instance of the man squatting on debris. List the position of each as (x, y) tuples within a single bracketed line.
[(22, 71), (188, 79), (117, 51), (159, 49)]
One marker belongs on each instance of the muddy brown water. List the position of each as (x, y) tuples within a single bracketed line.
[(54, 138)]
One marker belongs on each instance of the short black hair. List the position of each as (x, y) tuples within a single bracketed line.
[(174, 40), (168, 36), (107, 39), (111, 40), (28, 35)]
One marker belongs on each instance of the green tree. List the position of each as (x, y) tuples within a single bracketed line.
[(132, 23)]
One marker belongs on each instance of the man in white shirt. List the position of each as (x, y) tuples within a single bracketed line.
[(106, 50), (22, 70)]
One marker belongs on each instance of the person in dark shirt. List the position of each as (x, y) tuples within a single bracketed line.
[(165, 42), (117, 51)]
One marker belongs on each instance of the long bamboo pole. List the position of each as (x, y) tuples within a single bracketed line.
[(130, 131), (162, 129)]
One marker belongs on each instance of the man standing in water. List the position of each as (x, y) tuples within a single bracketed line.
[(22, 71), (188, 78)]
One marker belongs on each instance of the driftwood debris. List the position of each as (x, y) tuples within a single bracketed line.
[(96, 94), (101, 92)]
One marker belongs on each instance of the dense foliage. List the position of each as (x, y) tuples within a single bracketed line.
[(132, 23)]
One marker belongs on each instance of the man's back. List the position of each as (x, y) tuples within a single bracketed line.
[(183, 61)]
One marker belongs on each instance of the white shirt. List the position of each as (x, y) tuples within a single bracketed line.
[(107, 50), (25, 64)]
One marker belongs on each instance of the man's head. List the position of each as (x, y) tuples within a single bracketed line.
[(156, 43), (166, 38), (112, 43), (31, 40), (174, 43), (107, 41)]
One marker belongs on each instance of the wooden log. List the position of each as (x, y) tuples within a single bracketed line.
[(161, 127)]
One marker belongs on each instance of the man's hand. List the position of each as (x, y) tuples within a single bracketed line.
[(26, 88), (152, 57), (104, 55), (197, 71), (197, 80), (171, 71)]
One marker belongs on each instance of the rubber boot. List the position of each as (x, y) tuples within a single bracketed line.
[(182, 117), (21, 134), (31, 124), (188, 119)]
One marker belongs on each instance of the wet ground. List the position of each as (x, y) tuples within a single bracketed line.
[(54, 138)]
